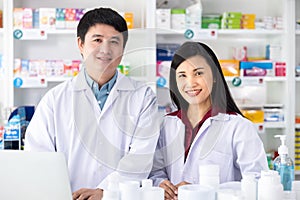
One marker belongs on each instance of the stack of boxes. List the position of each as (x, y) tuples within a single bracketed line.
[(54, 18), (55, 68), (297, 149), (231, 20), (248, 21)]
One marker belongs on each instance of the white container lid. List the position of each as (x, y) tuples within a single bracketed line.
[(147, 183)]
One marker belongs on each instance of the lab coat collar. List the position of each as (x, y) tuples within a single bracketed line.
[(122, 82), (218, 117)]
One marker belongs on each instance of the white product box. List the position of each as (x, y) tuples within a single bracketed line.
[(47, 18), (163, 18)]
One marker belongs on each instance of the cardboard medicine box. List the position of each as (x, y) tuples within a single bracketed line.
[(257, 68), (230, 67)]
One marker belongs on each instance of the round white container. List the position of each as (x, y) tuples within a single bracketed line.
[(296, 188), (249, 185), (130, 190), (151, 193), (111, 195), (230, 194), (196, 192)]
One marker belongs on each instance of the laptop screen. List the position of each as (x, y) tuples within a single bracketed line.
[(34, 176)]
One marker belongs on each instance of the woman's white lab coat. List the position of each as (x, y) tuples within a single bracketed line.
[(230, 141), (98, 144)]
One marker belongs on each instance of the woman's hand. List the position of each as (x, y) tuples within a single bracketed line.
[(88, 194), (170, 190), (181, 183)]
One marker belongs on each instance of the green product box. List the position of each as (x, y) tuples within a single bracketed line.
[(231, 21), (232, 15), (211, 25), (211, 21), (177, 11), (229, 26)]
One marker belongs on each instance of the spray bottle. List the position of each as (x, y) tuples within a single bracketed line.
[(284, 164)]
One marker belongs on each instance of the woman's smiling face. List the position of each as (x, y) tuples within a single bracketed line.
[(195, 80)]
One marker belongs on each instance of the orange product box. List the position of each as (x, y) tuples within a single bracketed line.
[(297, 119), (256, 116), (18, 17), (249, 17), (248, 27), (255, 58), (128, 16), (230, 67)]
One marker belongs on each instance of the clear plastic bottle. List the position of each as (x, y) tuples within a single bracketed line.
[(284, 165)]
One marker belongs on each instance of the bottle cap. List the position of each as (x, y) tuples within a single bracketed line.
[(147, 183), (282, 149)]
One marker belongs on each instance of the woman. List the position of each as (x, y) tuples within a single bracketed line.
[(207, 128)]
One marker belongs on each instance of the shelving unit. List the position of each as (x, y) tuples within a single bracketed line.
[(141, 50), (279, 90), (297, 80), (61, 44)]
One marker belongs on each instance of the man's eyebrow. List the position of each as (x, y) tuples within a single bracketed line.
[(97, 35)]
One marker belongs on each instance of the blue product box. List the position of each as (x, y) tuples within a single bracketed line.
[(35, 18), (60, 18), (257, 68), (165, 52)]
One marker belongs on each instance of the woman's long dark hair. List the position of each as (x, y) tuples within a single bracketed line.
[(221, 98)]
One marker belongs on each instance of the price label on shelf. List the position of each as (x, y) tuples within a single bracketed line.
[(30, 34), (201, 34), (30, 82)]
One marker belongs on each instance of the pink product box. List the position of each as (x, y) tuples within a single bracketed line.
[(27, 18), (257, 68), (70, 18), (280, 69), (54, 67)]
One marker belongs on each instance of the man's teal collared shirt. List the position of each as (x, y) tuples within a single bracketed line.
[(102, 93)]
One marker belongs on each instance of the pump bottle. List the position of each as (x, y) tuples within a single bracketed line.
[(284, 164)]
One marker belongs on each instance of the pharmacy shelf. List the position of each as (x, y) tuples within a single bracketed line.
[(41, 34), (61, 31), (297, 32), (275, 125), (298, 79), (57, 79), (41, 82), (245, 32), (259, 79), (297, 125)]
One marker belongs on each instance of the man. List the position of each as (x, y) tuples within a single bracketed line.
[(105, 123)]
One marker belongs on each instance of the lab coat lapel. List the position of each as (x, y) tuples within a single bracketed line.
[(85, 120), (122, 84), (209, 138)]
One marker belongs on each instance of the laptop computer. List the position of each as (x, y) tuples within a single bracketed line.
[(33, 176)]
